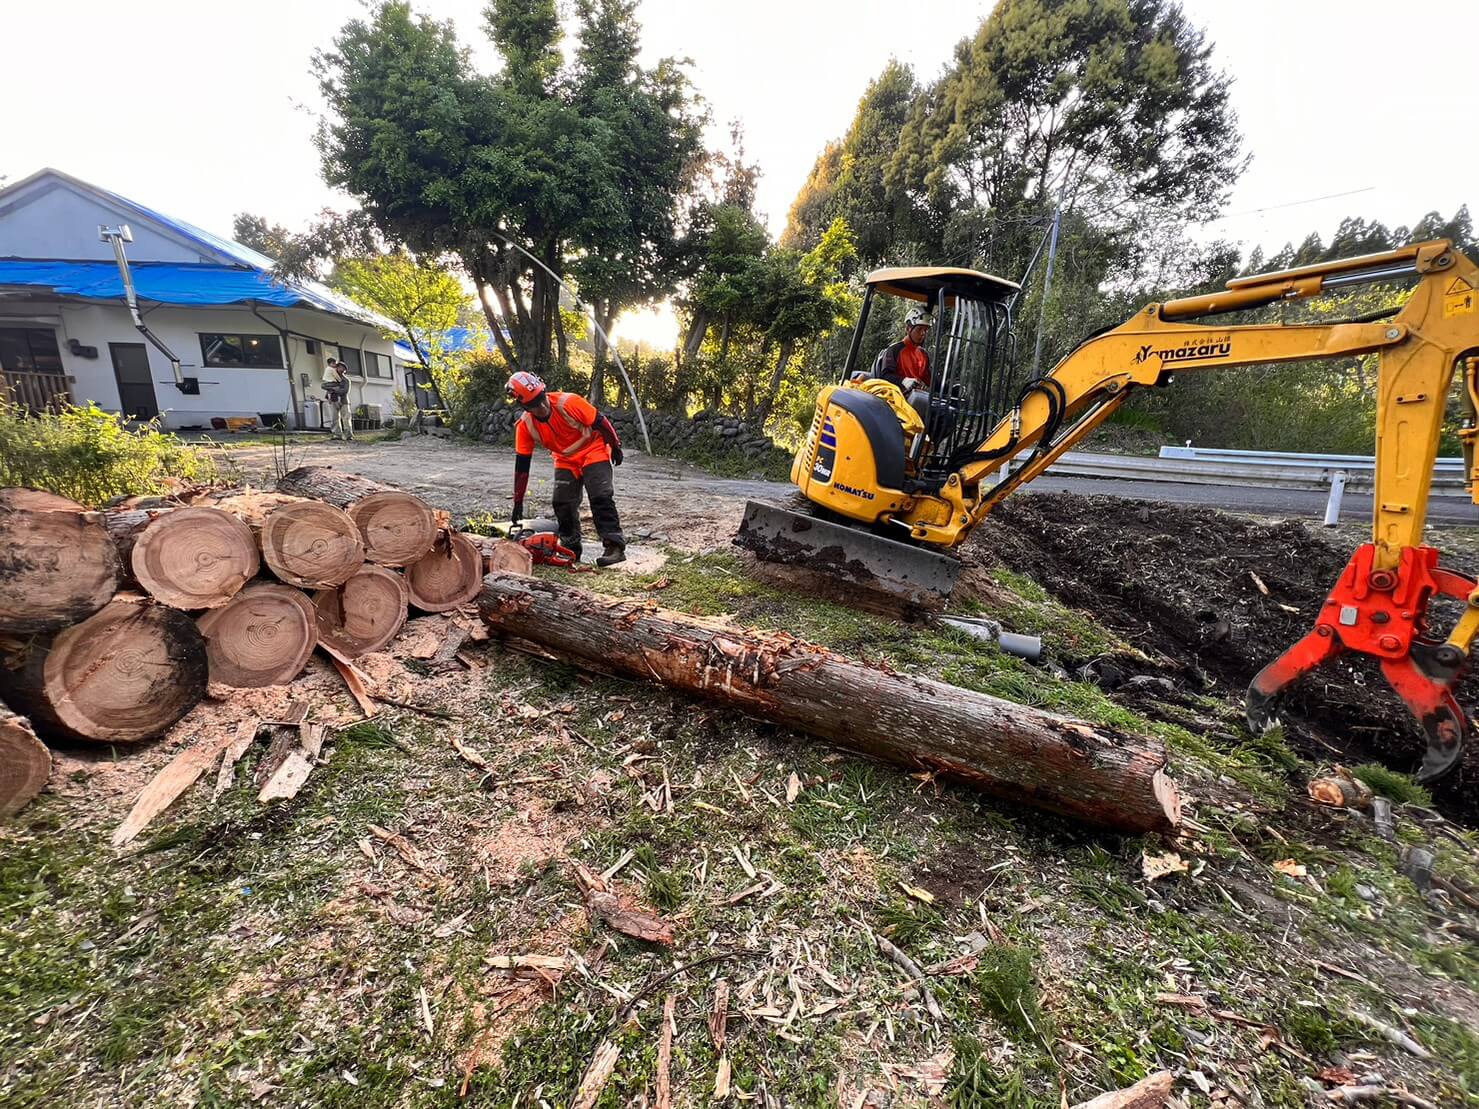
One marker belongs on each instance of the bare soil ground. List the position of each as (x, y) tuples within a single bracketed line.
[(359, 944)]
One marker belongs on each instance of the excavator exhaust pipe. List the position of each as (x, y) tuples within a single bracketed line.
[(874, 564)]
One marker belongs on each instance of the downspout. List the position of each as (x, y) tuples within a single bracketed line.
[(117, 236), (295, 415)]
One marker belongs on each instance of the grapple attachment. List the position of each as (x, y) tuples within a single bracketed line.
[(877, 565)]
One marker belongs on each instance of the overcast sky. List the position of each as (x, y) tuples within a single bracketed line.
[(205, 109)]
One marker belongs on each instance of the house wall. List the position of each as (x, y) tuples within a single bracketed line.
[(51, 219), (224, 391)]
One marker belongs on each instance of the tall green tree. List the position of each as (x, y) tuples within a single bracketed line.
[(271, 239)]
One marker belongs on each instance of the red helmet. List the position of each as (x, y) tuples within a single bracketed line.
[(525, 388)]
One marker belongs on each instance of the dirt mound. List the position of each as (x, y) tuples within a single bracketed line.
[(1183, 584)]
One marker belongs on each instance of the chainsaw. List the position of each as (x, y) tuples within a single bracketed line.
[(541, 538)]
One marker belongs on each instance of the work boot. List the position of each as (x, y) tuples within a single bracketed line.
[(614, 553)]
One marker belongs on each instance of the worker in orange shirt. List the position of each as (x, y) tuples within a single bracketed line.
[(907, 364), (585, 446)]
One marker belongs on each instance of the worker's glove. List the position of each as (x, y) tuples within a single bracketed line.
[(908, 385), (518, 514), (616, 456)]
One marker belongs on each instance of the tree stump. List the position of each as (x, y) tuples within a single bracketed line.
[(395, 527), (194, 558), (363, 614), (1085, 771), (448, 576), (262, 636), (311, 544), (57, 563), (126, 673), (25, 763)]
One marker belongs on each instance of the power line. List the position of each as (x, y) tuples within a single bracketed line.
[(1288, 204)]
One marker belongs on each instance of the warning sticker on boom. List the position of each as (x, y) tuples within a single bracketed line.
[(1458, 298)]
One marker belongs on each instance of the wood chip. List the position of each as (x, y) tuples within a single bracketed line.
[(719, 1015), (468, 754), (918, 893), (596, 1075), (246, 735), (401, 845), (793, 788), (162, 791), (743, 859), (359, 685), (628, 918), (721, 1079), (1291, 868), (529, 962), (1257, 581), (1182, 1001), (1149, 1093), (665, 1054), (425, 1008), (1161, 865), (288, 779)]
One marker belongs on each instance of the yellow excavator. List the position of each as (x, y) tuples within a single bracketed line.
[(897, 483)]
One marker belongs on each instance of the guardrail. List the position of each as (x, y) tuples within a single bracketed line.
[(1264, 469)]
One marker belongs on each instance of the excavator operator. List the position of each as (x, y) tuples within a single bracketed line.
[(907, 364), (585, 446)]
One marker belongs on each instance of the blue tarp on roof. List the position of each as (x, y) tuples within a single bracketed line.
[(163, 282)]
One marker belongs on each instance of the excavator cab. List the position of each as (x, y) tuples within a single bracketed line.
[(871, 450)]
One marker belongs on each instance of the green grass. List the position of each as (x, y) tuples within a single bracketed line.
[(1006, 984)]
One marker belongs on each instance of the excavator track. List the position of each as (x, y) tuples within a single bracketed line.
[(878, 565)]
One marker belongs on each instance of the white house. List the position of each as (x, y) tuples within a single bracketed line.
[(248, 345)]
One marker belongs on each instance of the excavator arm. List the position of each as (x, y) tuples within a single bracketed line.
[(1379, 605)]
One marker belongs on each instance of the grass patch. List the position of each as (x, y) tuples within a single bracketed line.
[(976, 1083), (1392, 784), (1007, 987)]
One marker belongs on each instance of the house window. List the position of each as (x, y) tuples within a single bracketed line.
[(241, 350), (378, 365), (29, 350), (350, 357)]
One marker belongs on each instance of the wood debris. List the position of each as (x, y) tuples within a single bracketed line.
[(1161, 865), (246, 735), (1340, 789), (289, 777), (354, 678), (793, 788), (722, 1079), (401, 845), (665, 1054), (596, 1075), (1149, 1093), (468, 754), (1291, 868), (621, 912), (719, 1015), (529, 962), (162, 791)]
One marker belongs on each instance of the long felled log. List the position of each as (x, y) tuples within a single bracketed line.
[(126, 673), (262, 636), (25, 763), (363, 614), (194, 558), (395, 527), (1092, 773), (450, 574), (57, 563)]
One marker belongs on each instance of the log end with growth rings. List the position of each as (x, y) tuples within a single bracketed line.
[(194, 558), (262, 637), (311, 544), (127, 673), (363, 614), (396, 528), (25, 763), (58, 564), (448, 576)]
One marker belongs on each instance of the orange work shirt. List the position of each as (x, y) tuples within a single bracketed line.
[(914, 362), (569, 434)]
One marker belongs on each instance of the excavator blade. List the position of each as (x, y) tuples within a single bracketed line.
[(895, 570)]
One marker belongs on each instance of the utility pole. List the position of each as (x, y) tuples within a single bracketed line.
[(1047, 286)]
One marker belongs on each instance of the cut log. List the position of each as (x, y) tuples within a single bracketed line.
[(1149, 1093), (449, 576), (25, 763), (1092, 773), (195, 558), (311, 544), (57, 563), (363, 614), (126, 673), (262, 637), (395, 527), (125, 524)]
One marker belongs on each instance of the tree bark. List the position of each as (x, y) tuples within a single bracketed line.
[(767, 402), (194, 558), (363, 614), (25, 763), (262, 637), (447, 576), (395, 527), (1091, 773), (57, 563), (126, 673)]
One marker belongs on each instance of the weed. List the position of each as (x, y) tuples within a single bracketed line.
[(907, 924), (976, 1084), (664, 888), (1007, 986), (1390, 783), (90, 455)]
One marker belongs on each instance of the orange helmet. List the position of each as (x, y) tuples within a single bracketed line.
[(525, 388)]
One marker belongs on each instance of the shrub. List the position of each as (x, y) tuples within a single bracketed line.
[(90, 455)]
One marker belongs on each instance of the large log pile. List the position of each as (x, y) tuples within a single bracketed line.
[(1091, 773), (234, 585)]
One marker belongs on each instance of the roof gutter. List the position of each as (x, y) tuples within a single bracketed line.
[(117, 236)]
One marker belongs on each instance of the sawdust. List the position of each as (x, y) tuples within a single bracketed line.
[(530, 838)]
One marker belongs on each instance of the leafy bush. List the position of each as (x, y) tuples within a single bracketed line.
[(91, 455)]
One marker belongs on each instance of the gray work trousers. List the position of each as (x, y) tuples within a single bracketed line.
[(598, 482)]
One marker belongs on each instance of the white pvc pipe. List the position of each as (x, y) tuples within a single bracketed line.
[(1337, 491)]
